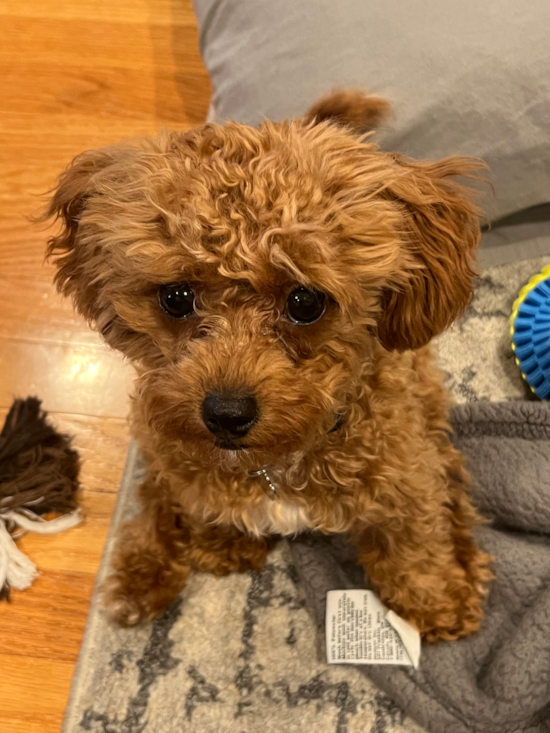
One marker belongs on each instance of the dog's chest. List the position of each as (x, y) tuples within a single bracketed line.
[(279, 516)]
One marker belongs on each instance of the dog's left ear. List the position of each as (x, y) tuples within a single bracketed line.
[(74, 249), (441, 231), (350, 108)]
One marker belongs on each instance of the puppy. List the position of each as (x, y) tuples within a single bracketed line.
[(276, 289)]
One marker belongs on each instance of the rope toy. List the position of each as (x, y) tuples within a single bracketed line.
[(530, 331), (38, 476)]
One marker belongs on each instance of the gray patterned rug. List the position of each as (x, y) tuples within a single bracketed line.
[(238, 654)]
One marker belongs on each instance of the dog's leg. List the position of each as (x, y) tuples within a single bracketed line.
[(156, 553), (225, 549), (427, 568), (149, 570)]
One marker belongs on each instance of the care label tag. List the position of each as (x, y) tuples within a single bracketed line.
[(361, 630)]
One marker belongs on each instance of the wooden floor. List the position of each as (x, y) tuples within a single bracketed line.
[(74, 74)]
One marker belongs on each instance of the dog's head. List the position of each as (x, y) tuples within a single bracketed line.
[(251, 273)]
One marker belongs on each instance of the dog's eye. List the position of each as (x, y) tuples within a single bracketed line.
[(305, 306), (176, 299)]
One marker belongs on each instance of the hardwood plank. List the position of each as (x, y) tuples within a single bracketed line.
[(99, 93), (103, 43), (59, 140), (33, 685), (123, 11), (46, 622), (22, 252), (33, 310), (22, 723), (65, 136), (54, 89), (89, 380)]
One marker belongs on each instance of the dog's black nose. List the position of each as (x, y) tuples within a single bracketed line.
[(228, 417)]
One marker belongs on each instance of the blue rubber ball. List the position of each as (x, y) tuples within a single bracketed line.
[(530, 329)]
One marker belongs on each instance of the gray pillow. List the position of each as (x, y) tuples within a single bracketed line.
[(464, 76)]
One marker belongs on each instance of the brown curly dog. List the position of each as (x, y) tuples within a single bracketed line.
[(276, 289)]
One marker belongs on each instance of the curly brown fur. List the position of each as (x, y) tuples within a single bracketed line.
[(246, 215), (351, 108)]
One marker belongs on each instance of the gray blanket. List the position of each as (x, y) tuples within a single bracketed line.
[(498, 680)]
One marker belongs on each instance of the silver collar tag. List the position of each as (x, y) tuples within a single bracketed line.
[(272, 491)]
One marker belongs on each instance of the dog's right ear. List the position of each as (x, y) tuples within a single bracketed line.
[(73, 249), (350, 108)]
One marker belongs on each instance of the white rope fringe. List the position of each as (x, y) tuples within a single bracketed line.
[(15, 567)]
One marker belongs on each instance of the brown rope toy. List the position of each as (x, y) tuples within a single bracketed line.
[(38, 476)]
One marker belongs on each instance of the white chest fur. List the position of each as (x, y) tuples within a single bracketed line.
[(281, 516)]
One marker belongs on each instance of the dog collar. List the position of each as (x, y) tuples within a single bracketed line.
[(263, 472)]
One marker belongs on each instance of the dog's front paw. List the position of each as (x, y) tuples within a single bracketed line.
[(449, 626), (129, 605), (456, 612), (122, 607)]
